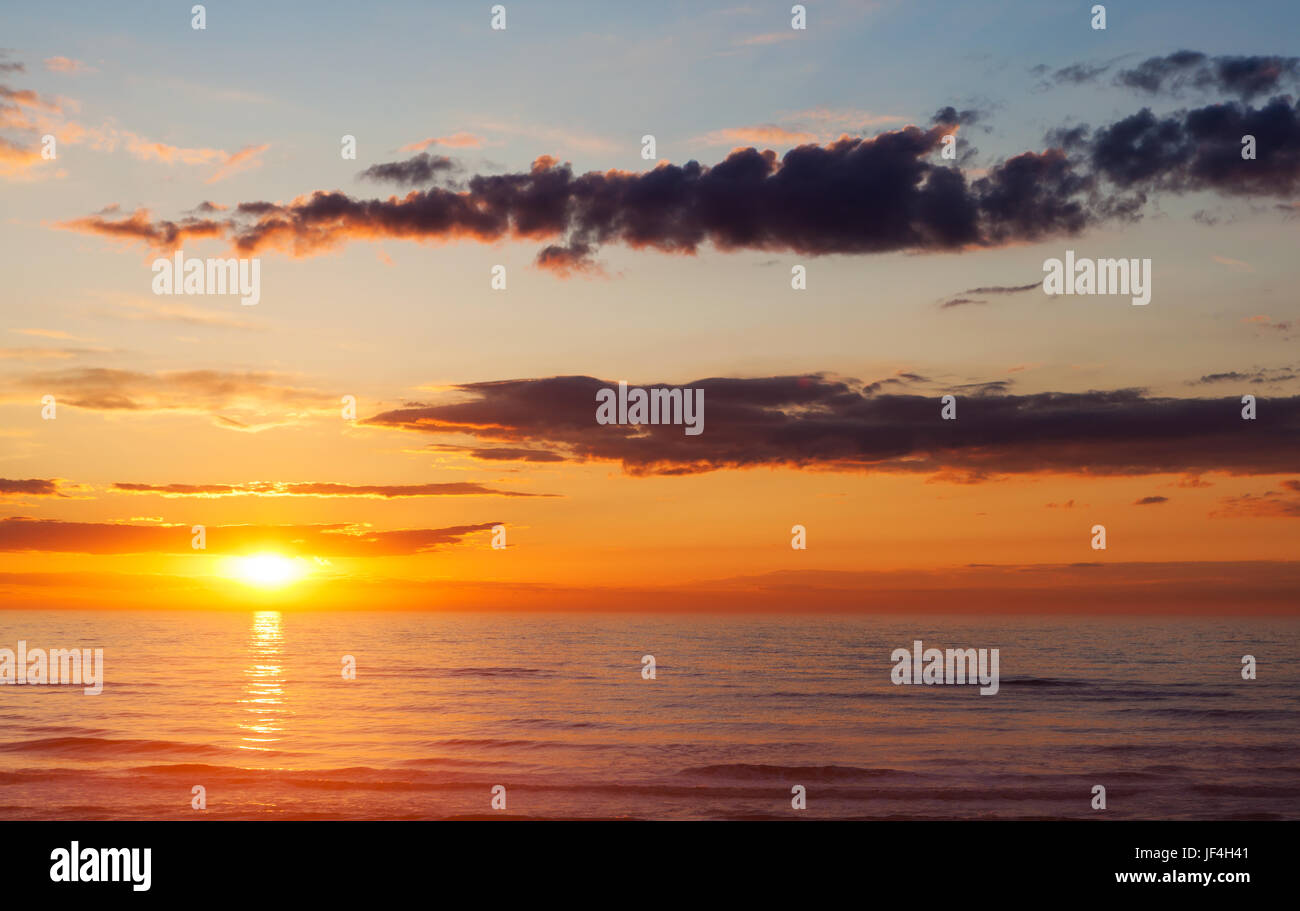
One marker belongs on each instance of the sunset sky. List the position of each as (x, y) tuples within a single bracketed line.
[(475, 406)]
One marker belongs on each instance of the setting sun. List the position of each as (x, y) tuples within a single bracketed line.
[(268, 570)]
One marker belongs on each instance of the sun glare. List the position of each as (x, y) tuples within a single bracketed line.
[(267, 570)]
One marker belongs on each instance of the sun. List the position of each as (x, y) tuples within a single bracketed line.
[(267, 570)]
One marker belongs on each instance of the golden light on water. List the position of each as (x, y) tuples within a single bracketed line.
[(263, 700)]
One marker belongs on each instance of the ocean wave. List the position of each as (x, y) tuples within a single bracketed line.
[(742, 770), (108, 748)]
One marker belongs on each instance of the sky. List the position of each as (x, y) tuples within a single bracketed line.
[(775, 147)]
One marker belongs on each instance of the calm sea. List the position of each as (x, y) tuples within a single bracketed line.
[(253, 707)]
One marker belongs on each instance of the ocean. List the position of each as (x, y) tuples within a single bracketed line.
[(253, 708)]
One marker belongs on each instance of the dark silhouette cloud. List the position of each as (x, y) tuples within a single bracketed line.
[(420, 169), (885, 193), (502, 453), (1244, 77), (962, 300), (33, 487), (22, 534), (852, 196), (1255, 377), (1201, 150), (822, 423), (951, 116)]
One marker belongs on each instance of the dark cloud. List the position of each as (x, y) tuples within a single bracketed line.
[(1256, 376), (502, 453), (1003, 289), (35, 487), (1150, 501), (1154, 73), (886, 193), (852, 196), (1079, 73), (817, 422), (952, 117), (419, 169), (1201, 150), (22, 534), (988, 289), (140, 226), (1244, 77)]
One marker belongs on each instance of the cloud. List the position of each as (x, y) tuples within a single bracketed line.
[(950, 116), (852, 196), (166, 312), (1257, 376), (152, 150), (243, 160), (139, 226), (820, 423), (1150, 501), (23, 534), (32, 487), (764, 134), (454, 141), (43, 354), (1079, 73), (420, 169), (32, 116), (250, 400), (67, 65), (962, 300), (1266, 322), (1003, 289), (28, 99), (228, 163), (1244, 77), (1200, 149), (46, 333), (502, 453), (321, 489), (556, 138), (10, 66), (1234, 263), (1272, 504)]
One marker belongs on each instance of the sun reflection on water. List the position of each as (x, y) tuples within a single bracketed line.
[(263, 701)]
